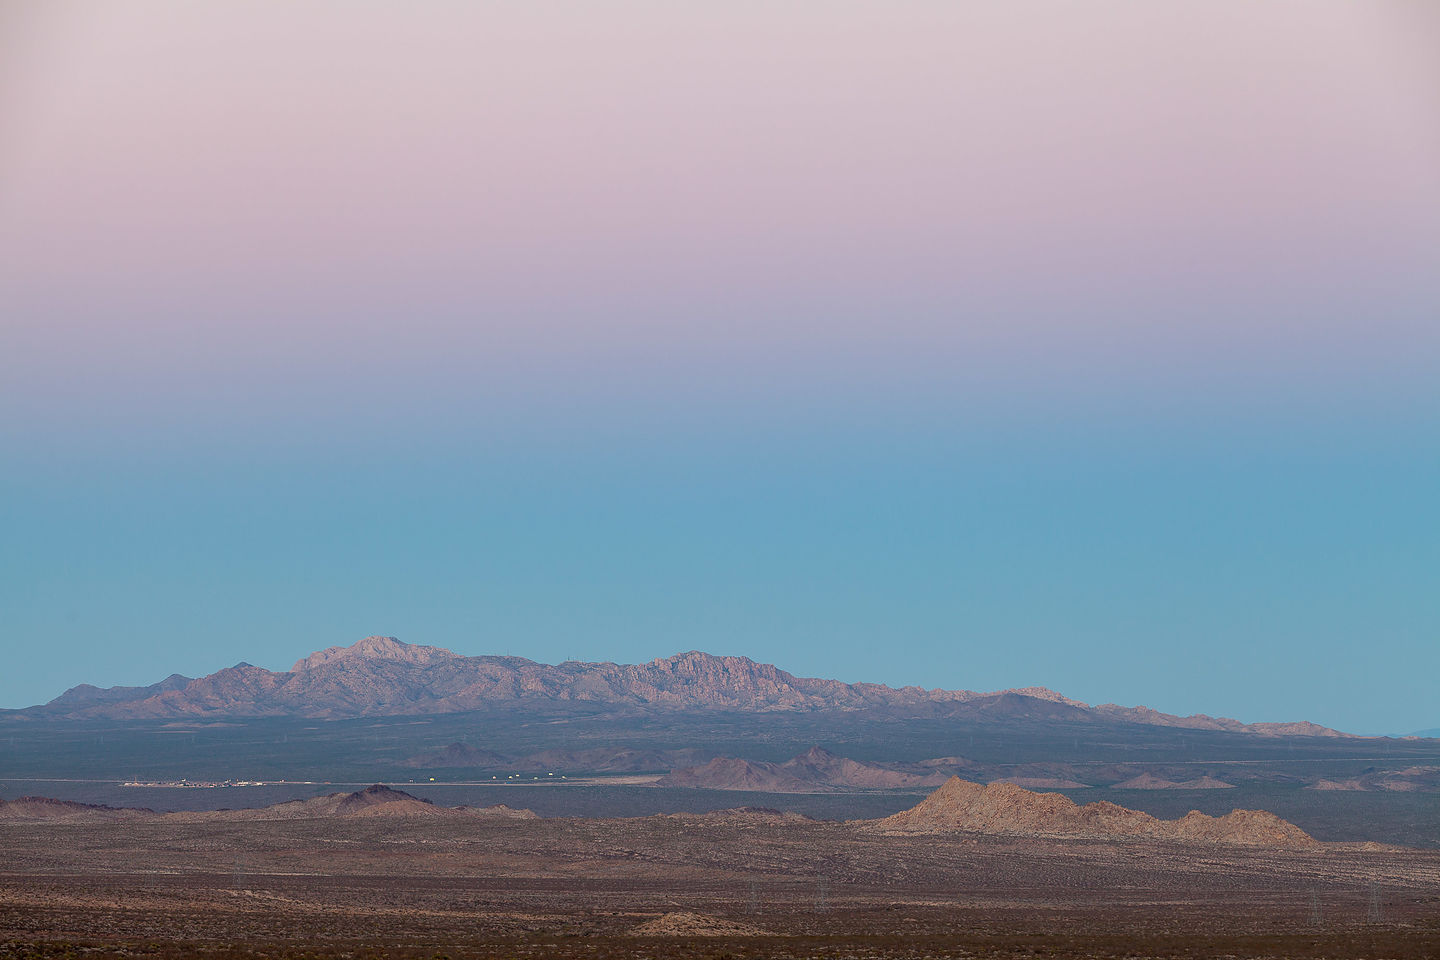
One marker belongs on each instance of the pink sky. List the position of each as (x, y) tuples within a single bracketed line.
[(328, 188)]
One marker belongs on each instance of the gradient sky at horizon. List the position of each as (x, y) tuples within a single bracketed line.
[(970, 345)]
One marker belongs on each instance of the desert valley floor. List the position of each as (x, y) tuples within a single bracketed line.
[(391, 876)]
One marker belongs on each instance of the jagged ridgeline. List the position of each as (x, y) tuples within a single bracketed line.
[(380, 676)]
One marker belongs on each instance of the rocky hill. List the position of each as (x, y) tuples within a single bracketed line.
[(380, 676), (1004, 808), (1149, 781), (374, 801), (44, 808)]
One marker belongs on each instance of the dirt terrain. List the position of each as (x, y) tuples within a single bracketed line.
[(346, 881)]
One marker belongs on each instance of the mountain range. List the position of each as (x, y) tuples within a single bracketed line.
[(383, 677)]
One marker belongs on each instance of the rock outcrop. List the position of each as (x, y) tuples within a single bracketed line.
[(1148, 781), (1006, 809)]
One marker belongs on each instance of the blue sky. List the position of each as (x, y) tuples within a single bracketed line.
[(1262, 570)]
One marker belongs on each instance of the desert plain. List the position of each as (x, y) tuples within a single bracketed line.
[(381, 873)]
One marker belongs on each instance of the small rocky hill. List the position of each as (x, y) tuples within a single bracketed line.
[(1149, 781), (1004, 808)]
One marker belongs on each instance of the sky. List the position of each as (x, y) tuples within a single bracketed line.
[(1093, 346)]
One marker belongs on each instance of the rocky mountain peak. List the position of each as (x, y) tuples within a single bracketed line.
[(375, 648), (817, 754), (699, 660)]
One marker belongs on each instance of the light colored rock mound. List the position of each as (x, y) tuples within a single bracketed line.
[(695, 925), (1148, 781), (1145, 781), (1255, 828), (1004, 808), (1206, 783), (1336, 785)]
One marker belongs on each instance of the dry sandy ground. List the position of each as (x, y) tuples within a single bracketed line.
[(705, 886)]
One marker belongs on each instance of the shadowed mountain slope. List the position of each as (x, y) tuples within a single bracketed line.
[(44, 808), (817, 769)]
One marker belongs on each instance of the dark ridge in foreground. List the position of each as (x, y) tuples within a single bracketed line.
[(45, 808), (374, 801)]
